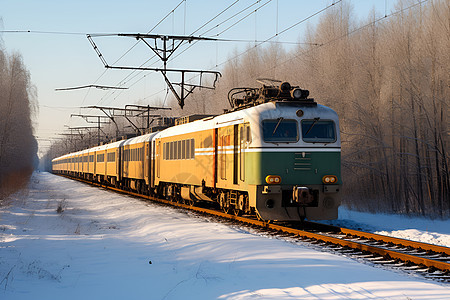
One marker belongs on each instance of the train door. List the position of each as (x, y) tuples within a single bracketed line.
[(117, 163), (147, 162), (152, 164), (158, 159), (215, 141), (241, 153), (235, 153)]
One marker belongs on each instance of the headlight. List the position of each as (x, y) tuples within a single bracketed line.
[(273, 179), (298, 94), (329, 179)]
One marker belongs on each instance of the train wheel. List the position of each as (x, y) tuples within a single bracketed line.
[(237, 212), (223, 203)]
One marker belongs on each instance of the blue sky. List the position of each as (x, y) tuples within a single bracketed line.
[(67, 60)]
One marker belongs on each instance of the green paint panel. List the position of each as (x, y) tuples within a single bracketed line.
[(293, 167)]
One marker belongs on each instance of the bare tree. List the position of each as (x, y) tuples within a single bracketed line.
[(18, 147)]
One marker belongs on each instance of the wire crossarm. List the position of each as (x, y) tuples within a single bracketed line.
[(164, 46)]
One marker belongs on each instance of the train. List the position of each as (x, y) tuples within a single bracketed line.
[(276, 154)]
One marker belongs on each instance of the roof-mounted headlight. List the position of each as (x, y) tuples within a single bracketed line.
[(298, 94)]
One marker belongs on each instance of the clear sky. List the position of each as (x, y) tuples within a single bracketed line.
[(58, 54)]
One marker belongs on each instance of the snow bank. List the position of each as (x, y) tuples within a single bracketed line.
[(104, 245), (413, 228)]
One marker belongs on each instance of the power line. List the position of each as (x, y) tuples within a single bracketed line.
[(42, 32), (138, 72), (276, 35), (245, 17), (349, 33), (234, 24), (284, 30), (131, 48)]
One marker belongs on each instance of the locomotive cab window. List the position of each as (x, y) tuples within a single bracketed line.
[(280, 130), (318, 131)]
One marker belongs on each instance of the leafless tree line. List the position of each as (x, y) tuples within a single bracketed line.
[(388, 79), (18, 147)]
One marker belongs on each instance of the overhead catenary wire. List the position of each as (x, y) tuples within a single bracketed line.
[(276, 35), (192, 44), (138, 72), (348, 34), (234, 24)]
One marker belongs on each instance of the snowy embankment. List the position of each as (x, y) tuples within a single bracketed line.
[(103, 245), (417, 229)]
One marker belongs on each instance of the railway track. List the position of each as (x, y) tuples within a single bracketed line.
[(428, 260)]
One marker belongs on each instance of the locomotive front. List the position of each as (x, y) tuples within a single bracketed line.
[(294, 159)]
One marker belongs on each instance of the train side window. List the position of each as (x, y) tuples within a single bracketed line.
[(168, 150), (188, 149), (192, 148), (183, 149), (179, 149), (164, 151), (175, 150)]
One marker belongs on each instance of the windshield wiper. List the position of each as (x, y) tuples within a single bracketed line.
[(312, 125), (278, 124)]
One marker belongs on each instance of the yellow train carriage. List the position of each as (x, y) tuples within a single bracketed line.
[(90, 164), (112, 162), (59, 165), (100, 163), (204, 154), (84, 163), (71, 168), (137, 170)]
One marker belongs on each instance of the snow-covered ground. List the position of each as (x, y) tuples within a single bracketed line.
[(417, 229), (104, 245)]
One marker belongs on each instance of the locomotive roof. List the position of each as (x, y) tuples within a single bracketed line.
[(266, 110)]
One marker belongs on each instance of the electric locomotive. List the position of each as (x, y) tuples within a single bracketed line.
[(276, 154)]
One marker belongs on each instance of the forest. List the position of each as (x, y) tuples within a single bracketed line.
[(388, 79), (18, 146)]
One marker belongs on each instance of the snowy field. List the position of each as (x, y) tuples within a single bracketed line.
[(104, 245)]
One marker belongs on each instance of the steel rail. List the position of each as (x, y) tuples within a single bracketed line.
[(394, 240), (389, 253)]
